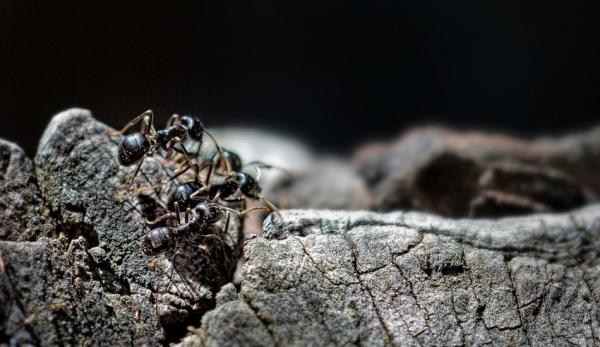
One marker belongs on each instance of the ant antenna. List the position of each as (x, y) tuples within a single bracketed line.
[(242, 213), (153, 264), (260, 164)]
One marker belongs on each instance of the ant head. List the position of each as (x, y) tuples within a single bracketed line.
[(248, 185), (209, 213), (195, 128), (182, 195), (133, 148), (157, 241), (234, 160)]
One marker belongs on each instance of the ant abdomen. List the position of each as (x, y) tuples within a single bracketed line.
[(209, 213), (157, 241), (182, 195), (133, 148)]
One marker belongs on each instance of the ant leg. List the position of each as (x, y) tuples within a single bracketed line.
[(208, 176), (221, 153), (169, 277), (146, 116), (188, 215), (210, 173), (216, 198), (197, 169), (137, 170), (198, 148), (174, 118), (184, 170), (148, 124), (226, 230), (177, 212), (178, 153), (169, 215), (169, 149), (152, 189), (156, 188), (153, 264), (164, 169), (186, 282), (271, 206), (186, 153), (195, 194)]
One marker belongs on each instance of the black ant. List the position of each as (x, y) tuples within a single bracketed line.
[(226, 191), (191, 193), (135, 147), (203, 215), (180, 198), (238, 181), (200, 223)]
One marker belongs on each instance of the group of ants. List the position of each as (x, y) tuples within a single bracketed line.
[(217, 186), (203, 187)]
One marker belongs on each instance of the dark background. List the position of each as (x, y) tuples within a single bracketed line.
[(332, 72)]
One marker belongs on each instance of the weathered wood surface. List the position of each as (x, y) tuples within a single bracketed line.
[(86, 281), (72, 273), (326, 278)]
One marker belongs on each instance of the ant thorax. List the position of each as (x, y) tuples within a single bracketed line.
[(133, 147)]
